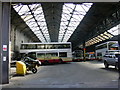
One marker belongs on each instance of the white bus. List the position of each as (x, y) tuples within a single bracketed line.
[(102, 49), (90, 55), (54, 52), (77, 55)]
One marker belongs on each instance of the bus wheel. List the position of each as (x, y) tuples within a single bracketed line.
[(60, 61), (106, 64), (46, 62)]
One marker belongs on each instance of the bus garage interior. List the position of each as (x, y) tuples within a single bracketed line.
[(86, 30)]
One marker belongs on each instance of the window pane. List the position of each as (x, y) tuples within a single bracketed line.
[(63, 54)]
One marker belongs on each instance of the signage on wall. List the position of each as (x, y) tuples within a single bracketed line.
[(4, 47), (4, 58)]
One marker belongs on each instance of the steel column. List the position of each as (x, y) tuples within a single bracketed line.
[(84, 51), (5, 42), (119, 36), (0, 43), (119, 56)]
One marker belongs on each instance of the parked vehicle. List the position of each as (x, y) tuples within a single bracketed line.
[(90, 56), (31, 64), (54, 52), (102, 48), (77, 55), (111, 59)]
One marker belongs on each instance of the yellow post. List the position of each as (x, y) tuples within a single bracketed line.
[(20, 68)]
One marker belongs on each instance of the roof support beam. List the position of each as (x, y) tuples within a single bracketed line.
[(68, 23), (99, 22), (21, 25), (112, 20), (52, 12), (37, 23)]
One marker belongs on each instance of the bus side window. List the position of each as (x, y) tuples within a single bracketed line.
[(32, 55), (63, 54)]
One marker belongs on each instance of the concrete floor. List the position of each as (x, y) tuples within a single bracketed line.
[(90, 74)]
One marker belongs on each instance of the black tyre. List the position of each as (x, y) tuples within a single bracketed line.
[(116, 66), (60, 61), (106, 64), (34, 70), (46, 62)]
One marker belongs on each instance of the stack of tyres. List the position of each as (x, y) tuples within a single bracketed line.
[(20, 68)]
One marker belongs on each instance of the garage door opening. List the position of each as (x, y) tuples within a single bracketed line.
[(34, 26)]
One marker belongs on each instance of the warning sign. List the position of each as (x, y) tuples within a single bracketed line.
[(4, 47)]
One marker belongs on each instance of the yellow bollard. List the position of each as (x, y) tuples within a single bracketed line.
[(20, 68)]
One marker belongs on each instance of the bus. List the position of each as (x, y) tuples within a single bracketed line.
[(77, 55), (54, 52), (102, 49), (90, 56)]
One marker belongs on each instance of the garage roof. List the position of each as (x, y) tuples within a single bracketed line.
[(73, 22), (70, 17)]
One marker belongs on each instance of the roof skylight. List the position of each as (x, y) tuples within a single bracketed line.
[(34, 17), (106, 35), (72, 15), (114, 30)]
